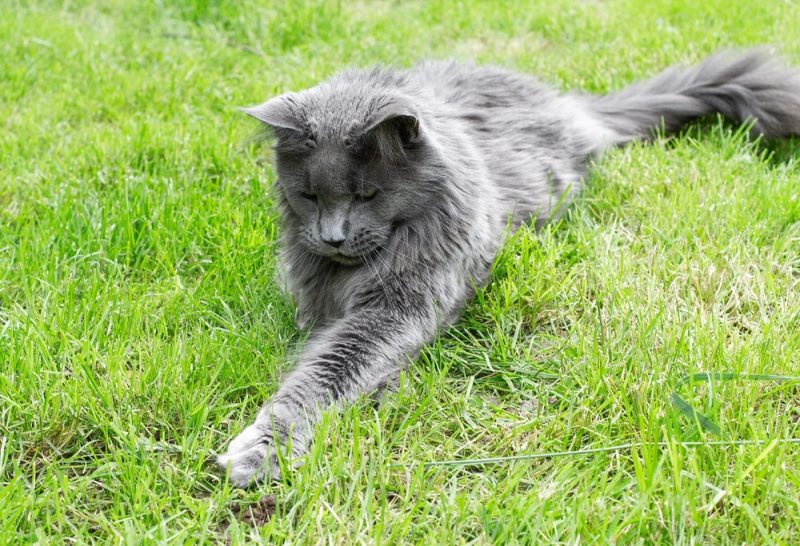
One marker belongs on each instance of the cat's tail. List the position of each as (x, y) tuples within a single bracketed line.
[(751, 87)]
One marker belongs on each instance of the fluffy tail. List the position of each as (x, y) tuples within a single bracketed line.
[(753, 86)]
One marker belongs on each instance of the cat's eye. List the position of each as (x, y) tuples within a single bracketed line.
[(308, 196), (368, 194)]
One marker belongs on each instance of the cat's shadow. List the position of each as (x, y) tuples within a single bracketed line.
[(781, 152)]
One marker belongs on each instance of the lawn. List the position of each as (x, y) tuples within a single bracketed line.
[(141, 324)]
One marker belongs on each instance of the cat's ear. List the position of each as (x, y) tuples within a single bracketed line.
[(278, 112), (284, 115), (393, 130)]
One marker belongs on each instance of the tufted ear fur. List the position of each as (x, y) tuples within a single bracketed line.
[(284, 115), (393, 130)]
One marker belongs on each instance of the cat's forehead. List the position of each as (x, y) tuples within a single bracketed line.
[(339, 106), (333, 114), (329, 161)]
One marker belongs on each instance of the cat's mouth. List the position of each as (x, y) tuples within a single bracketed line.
[(350, 260), (345, 260)]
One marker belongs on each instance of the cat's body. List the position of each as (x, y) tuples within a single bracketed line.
[(396, 189)]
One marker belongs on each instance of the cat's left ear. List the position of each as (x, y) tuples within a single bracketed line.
[(393, 129)]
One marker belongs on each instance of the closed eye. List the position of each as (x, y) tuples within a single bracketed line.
[(309, 196)]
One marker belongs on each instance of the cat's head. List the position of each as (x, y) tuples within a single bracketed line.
[(350, 154)]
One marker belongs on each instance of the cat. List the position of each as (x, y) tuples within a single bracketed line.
[(396, 189)]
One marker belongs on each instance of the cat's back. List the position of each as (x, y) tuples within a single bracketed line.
[(480, 87), (511, 116), (532, 139)]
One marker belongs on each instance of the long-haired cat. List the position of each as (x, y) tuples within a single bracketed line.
[(396, 188)]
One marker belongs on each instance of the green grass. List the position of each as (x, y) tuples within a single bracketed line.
[(140, 323)]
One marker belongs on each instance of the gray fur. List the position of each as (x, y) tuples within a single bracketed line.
[(396, 189), (751, 87)]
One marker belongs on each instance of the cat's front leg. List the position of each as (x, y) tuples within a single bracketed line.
[(252, 455), (351, 357)]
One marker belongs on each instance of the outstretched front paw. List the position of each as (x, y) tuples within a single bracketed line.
[(251, 457)]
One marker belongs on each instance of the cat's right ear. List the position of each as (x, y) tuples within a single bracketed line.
[(283, 114), (280, 112)]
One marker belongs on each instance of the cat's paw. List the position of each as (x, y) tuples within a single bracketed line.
[(251, 457)]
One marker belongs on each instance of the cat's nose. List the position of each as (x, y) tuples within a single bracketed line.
[(334, 242), (333, 225)]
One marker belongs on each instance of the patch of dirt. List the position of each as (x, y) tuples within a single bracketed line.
[(253, 515)]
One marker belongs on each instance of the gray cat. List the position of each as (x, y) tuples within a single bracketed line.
[(397, 187)]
